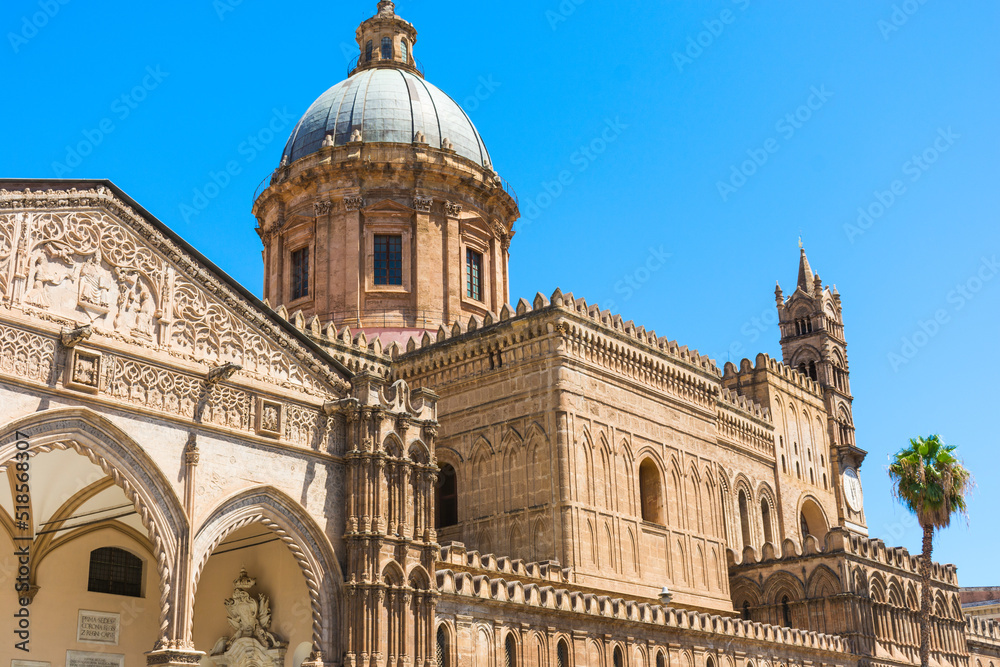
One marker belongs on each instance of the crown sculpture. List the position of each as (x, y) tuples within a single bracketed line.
[(252, 642)]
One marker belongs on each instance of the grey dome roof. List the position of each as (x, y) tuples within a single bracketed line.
[(389, 105)]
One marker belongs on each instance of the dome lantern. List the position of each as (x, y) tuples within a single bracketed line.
[(386, 40)]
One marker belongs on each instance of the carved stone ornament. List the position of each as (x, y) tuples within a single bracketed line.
[(252, 643), (322, 207), (423, 204), (83, 372), (270, 418), (453, 209), (354, 203)]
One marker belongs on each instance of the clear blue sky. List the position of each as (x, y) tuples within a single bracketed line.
[(542, 80)]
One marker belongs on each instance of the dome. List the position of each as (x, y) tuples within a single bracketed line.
[(386, 105)]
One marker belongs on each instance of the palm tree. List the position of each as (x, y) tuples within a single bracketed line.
[(930, 481)]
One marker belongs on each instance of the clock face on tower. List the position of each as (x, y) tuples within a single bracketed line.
[(852, 490)]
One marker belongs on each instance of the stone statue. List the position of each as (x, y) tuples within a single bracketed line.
[(252, 642)]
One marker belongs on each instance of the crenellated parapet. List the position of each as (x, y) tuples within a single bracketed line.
[(579, 606), (838, 540), (455, 556), (765, 364)]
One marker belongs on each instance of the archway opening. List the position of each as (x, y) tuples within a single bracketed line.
[(651, 492), (744, 519), (90, 551), (812, 521), (765, 515), (446, 501), (252, 562)]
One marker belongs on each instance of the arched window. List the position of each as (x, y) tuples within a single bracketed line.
[(651, 492), (660, 660), (115, 571), (442, 648), (369, 49), (803, 526), (710, 662), (813, 373), (386, 48), (744, 519), (562, 654), (404, 50), (745, 612), (510, 652), (812, 521), (619, 657), (786, 612), (765, 515), (447, 497), (784, 465)]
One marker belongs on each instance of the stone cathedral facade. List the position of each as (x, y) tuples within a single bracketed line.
[(386, 463)]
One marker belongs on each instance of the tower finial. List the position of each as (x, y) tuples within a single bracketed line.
[(801, 245), (386, 8), (806, 277)]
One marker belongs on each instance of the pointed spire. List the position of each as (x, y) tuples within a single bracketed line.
[(806, 277)]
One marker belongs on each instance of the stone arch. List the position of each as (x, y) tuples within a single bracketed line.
[(811, 515), (823, 583), (392, 573), (303, 537), (418, 579), (768, 514), (393, 446), (131, 468), (539, 465), (877, 588), (782, 584), (895, 592), (746, 594), (651, 496), (419, 452)]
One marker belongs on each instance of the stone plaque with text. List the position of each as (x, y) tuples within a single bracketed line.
[(98, 627), (29, 663), (88, 659)]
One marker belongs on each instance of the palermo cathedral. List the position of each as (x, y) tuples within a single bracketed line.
[(386, 463)]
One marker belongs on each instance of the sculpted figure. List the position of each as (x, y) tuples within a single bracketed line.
[(250, 618)]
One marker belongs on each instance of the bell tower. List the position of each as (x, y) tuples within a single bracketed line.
[(813, 342)]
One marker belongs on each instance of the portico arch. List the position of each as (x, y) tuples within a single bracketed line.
[(125, 461), (303, 537)]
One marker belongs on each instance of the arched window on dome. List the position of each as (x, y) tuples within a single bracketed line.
[(387, 48), (369, 50), (404, 50), (619, 657)]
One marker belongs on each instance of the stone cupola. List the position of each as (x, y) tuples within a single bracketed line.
[(386, 41), (386, 213)]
